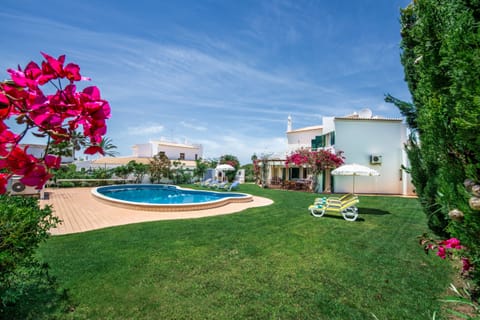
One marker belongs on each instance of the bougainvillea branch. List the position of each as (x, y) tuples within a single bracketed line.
[(56, 116), (317, 160)]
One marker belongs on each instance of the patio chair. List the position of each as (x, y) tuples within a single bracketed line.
[(225, 186), (205, 182), (346, 205), (233, 186), (220, 185), (210, 183)]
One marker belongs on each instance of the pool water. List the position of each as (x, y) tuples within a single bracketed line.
[(166, 198), (163, 194)]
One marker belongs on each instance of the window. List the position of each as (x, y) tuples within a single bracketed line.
[(182, 156), (318, 142), (295, 173), (332, 138)]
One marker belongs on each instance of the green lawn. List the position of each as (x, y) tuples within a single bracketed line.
[(274, 262)]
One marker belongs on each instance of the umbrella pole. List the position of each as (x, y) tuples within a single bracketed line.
[(353, 187)]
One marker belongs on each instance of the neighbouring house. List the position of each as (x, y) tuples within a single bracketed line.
[(38, 151), (373, 141), (184, 153)]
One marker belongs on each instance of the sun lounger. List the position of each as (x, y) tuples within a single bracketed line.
[(218, 185), (346, 205), (233, 186), (211, 184), (341, 198), (206, 182)]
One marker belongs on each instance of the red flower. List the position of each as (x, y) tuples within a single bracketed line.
[(3, 182), (52, 161), (18, 161), (441, 252), (452, 243), (94, 149), (466, 265), (52, 68), (37, 177)]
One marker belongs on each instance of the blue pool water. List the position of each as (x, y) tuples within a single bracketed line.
[(163, 194)]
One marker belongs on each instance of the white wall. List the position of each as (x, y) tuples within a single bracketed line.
[(172, 150), (301, 138), (328, 124), (361, 138), (142, 150)]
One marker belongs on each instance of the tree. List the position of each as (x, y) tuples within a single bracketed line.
[(261, 166), (317, 161), (108, 147), (139, 170), (201, 168), (69, 148), (440, 50), (123, 171), (179, 173), (159, 167), (249, 172), (256, 168)]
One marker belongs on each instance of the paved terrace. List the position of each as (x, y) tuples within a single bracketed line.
[(80, 211)]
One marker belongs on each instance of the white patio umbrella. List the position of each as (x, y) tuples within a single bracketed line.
[(354, 170), (225, 167)]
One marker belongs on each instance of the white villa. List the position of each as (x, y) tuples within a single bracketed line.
[(185, 153), (372, 141)]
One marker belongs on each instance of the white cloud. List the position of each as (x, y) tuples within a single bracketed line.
[(193, 126), (143, 130)]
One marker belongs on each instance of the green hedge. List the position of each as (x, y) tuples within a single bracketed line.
[(23, 226)]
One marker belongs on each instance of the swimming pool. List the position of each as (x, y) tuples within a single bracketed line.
[(157, 197)]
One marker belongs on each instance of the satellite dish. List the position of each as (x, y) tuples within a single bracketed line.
[(365, 113)]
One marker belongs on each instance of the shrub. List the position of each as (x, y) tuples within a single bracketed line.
[(23, 226)]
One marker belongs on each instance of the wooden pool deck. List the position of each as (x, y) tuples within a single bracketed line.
[(80, 211)]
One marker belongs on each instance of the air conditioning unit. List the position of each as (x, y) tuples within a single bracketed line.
[(375, 159), (16, 187)]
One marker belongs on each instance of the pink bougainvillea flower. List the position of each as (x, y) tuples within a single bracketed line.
[(452, 243), (93, 150), (56, 115), (441, 252), (6, 136), (18, 161), (18, 77), (3, 182), (72, 72), (4, 112), (53, 66), (466, 265), (37, 177), (4, 102), (32, 71), (52, 161)]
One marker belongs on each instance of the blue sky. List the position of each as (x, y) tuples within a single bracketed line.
[(223, 73)]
